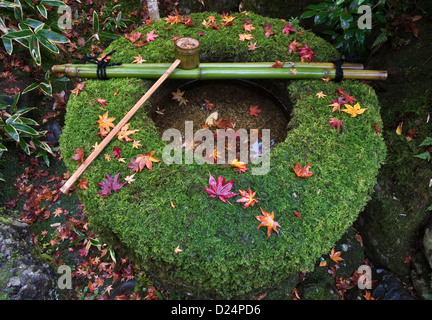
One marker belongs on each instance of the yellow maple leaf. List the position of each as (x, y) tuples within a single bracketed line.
[(124, 133), (335, 256), (105, 122), (245, 36), (354, 111)]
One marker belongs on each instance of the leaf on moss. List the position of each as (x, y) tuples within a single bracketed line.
[(303, 172), (248, 198), (142, 161), (267, 220), (354, 111), (79, 155), (220, 189), (110, 185)]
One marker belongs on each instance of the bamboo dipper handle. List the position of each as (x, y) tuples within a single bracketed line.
[(117, 128)]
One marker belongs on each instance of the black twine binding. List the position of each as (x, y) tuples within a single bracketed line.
[(339, 76), (102, 64)]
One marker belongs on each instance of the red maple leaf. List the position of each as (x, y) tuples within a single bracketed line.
[(79, 155), (110, 185), (150, 36), (133, 36), (253, 111), (248, 198), (267, 29), (288, 28), (116, 152), (335, 123), (219, 188), (303, 172)]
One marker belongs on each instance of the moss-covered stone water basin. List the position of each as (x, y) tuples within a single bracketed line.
[(223, 253)]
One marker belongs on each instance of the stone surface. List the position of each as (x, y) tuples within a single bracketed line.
[(390, 288), (22, 276)]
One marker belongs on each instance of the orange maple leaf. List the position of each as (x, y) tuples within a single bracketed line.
[(267, 220), (105, 122), (124, 133), (335, 256), (142, 161), (245, 36), (303, 172), (248, 198)]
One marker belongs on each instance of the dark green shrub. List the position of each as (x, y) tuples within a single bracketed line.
[(224, 255)]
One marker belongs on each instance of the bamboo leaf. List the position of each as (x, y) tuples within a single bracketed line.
[(53, 36), (52, 3), (23, 111), (8, 45), (28, 121), (30, 88), (18, 34), (2, 177), (16, 98), (7, 4), (35, 50), (47, 44), (12, 132), (18, 12), (2, 148), (25, 147), (43, 11), (33, 23), (95, 22), (46, 88), (25, 129)]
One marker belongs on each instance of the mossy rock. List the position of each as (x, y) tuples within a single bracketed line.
[(224, 254)]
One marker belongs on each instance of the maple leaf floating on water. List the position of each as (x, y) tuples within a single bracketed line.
[(111, 184), (254, 111), (354, 111), (303, 172), (220, 189), (178, 95), (267, 220), (142, 161), (248, 198)]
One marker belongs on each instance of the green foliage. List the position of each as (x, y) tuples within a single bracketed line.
[(15, 127), (29, 31), (341, 18), (224, 254)]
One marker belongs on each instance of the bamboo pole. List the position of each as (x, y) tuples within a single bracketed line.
[(117, 128), (224, 65), (205, 72)]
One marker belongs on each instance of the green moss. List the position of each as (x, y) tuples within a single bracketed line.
[(224, 255)]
